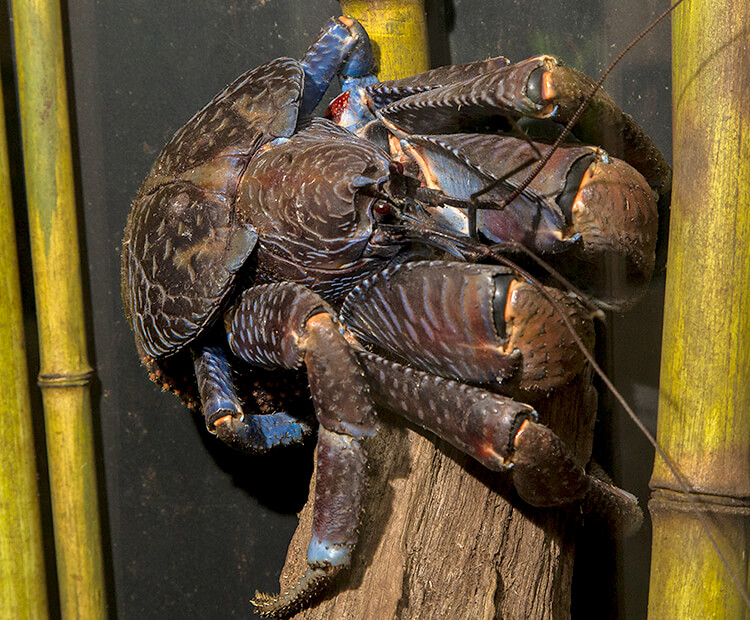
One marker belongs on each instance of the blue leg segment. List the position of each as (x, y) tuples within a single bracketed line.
[(343, 49), (224, 415)]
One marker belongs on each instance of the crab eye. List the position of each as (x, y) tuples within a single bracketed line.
[(396, 167), (381, 208)]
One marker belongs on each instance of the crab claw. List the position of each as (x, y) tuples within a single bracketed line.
[(595, 211), (616, 214)]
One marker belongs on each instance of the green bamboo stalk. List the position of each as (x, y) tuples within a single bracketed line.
[(704, 406), (65, 372), (23, 592)]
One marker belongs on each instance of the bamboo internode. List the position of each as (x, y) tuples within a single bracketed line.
[(704, 406), (23, 592), (398, 31), (64, 368)]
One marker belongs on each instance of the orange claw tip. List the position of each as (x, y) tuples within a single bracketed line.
[(226, 419), (489, 454), (521, 429)]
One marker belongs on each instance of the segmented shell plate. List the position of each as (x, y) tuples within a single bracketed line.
[(184, 241)]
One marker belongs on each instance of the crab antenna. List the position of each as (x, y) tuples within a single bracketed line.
[(574, 119)]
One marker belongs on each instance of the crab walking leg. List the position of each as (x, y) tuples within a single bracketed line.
[(286, 325), (477, 422), (539, 87), (502, 434), (489, 427), (223, 412), (479, 323)]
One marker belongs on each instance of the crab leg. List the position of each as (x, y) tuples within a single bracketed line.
[(489, 332), (224, 415), (477, 422), (342, 48), (596, 209), (470, 322), (499, 432), (540, 87), (285, 325)]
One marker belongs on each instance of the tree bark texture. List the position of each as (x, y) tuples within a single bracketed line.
[(443, 537)]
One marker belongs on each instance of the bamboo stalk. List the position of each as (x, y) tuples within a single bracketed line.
[(398, 31), (23, 592), (440, 537), (65, 372), (704, 405)]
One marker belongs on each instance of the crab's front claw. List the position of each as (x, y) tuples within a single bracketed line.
[(595, 211), (615, 214)]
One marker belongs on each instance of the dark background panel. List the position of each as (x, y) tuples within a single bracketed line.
[(192, 528)]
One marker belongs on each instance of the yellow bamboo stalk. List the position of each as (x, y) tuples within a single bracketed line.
[(398, 31), (65, 372), (23, 592), (704, 406)]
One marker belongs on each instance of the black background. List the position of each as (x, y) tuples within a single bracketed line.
[(191, 528)]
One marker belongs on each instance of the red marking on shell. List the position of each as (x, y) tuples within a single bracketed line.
[(337, 107)]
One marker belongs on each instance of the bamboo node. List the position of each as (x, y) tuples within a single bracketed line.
[(678, 500), (63, 380)]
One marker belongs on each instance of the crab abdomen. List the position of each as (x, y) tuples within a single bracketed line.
[(184, 241)]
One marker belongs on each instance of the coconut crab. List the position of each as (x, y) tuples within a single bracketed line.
[(225, 266)]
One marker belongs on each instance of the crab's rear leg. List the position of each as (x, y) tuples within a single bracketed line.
[(285, 326), (223, 411)]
